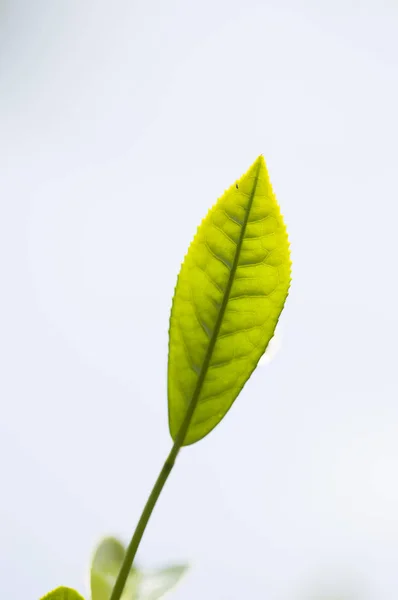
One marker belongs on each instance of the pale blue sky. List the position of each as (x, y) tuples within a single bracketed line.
[(121, 123)]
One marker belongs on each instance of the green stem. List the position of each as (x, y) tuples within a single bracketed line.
[(150, 505)]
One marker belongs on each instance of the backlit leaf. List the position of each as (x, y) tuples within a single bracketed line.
[(229, 295), (106, 563), (62, 593), (140, 585), (155, 584)]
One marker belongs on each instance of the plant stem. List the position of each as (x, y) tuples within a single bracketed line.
[(150, 505)]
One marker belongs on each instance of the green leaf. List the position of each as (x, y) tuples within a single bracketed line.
[(156, 584), (63, 593), (105, 566), (229, 295)]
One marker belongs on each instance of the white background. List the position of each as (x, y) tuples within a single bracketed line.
[(121, 123)]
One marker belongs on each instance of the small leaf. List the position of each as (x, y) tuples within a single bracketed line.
[(63, 593), (229, 295), (105, 566), (156, 584), (108, 554)]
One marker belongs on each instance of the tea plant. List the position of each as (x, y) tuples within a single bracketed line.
[(230, 292)]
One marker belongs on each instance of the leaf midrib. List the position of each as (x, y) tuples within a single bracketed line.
[(220, 316)]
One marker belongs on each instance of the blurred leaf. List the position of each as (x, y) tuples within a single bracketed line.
[(63, 593), (108, 555), (156, 584), (229, 295), (105, 566)]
